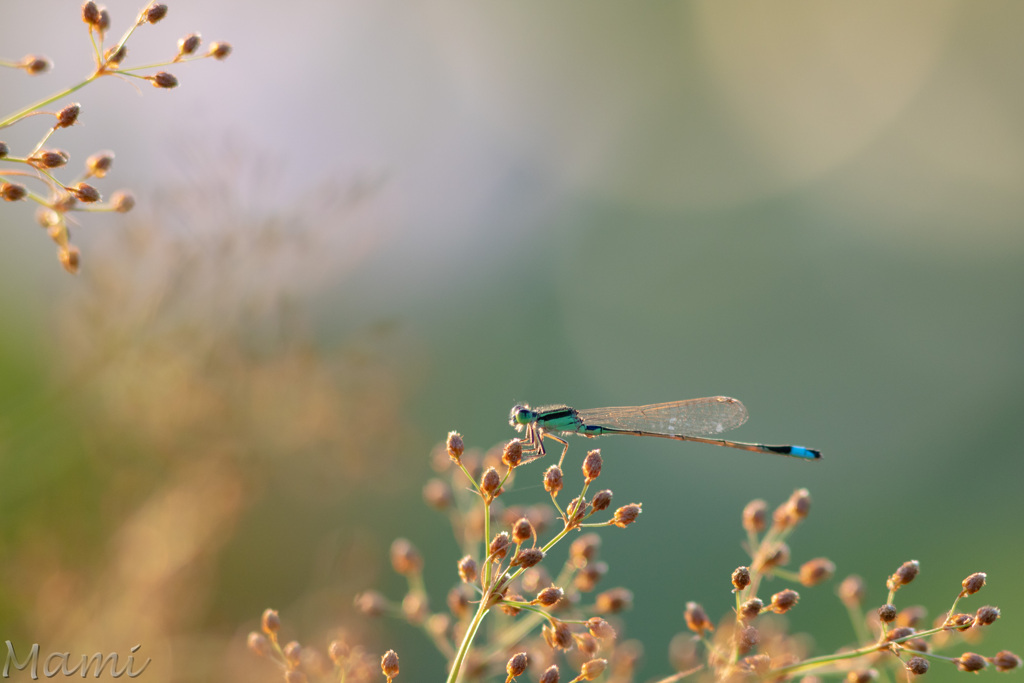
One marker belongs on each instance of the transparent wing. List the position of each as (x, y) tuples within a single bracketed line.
[(696, 416)]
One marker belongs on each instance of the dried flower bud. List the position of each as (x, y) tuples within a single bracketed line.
[(99, 163), (270, 622), (467, 569), (861, 676), (916, 645), (601, 500), (527, 557), (917, 665), (746, 638), (986, 615), (973, 583), (584, 549), (154, 13), (740, 578), (586, 644), (189, 44), (70, 258), (553, 480), (586, 579), (49, 158), (799, 505), (122, 201), (614, 600), (557, 635), (12, 192), (592, 465), (576, 510), (960, 621), (91, 13), (697, 619), (626, 515), (887, 613), (516, 666), (904, 575), (163, 79), (507, 605), (389, 664), (415, 607), (455, 446), (85, 192), (592, 669), (292, 652), (852, 591), (550, 596), (219, 50), (67, 116), (371, 603), (458, 600), (490, 483), (778, 556), (970, 661), (755, 516), (911, 616), (338, 651), (1006, 661), (522, 530), (784, 600), (4, 149), (816, 571), (512, 453), (550, 675), (115, 54), (499, 546), (751, 608), (294, 676), (258, 644), (405, 558), (900, 633), (437, 494), (599, 628), (35, 64)]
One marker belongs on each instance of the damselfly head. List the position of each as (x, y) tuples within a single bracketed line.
[(520, 417)]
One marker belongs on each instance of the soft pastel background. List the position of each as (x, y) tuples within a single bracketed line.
[(380, 221)]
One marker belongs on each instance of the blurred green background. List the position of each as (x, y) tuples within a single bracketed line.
[(379, 222)]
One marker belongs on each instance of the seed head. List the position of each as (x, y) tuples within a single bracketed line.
[(12, 192), (1006, 661), (970, 661), (527, 557), (973, 583), (960, 621), (917, 665), (599, 628), (899, 633), (626, 515), (586, 578), (986, 615), (467, 569), (389, 664), (917, 645), (911, 616), (816, 571), (338, 651), (371, 603), (4, 149), (499, 546), (258, 644), (490, 483), (456, 447), (188, 44), (522, 530), (219, 50), (586, 644), (746, 638), (755, 516), (67, 116), (557, 635), (437, 494), (740, 578), (778, 556), (270, 622), (415, 607), (49, 158), (154, 13), (510, 609), (553, 480), (550, 675), (115, 54), (91, 13), (904, 575), (697, 619), (84, 192), (122, 201), (887, 613), (162, 79), (294, 676), (550, 596), (592, 669), (584, 549), (751, 608), (35, 64), (601, 500), (512, 453), (784, 600), (861, 676), (292, 652), (592, 465), (516, 666), (852, 591), (70, 258), (799, 504), (614, 600), (98, 165), (405, 559)]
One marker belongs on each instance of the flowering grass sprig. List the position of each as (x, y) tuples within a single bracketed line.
[(60, 198)]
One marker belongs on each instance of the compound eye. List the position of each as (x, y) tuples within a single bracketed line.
[(520, 416)]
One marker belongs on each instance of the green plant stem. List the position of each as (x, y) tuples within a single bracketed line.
[(17, 116)]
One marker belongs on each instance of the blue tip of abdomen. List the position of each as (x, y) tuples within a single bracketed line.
[(801, 452)]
